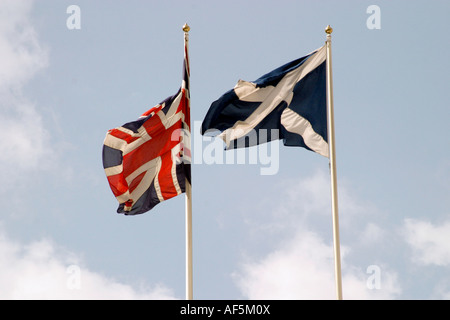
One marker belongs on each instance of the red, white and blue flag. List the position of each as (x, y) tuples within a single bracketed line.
[(148, 160)]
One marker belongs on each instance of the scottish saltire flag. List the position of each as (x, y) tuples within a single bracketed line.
[(288, 103), (148, 160)]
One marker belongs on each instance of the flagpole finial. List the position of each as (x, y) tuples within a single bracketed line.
[(328, 29), (186, 28)]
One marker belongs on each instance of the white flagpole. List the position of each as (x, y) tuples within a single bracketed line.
[(189, 285), (334, 194), (189, 265)]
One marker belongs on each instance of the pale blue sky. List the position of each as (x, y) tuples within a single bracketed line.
[(254, 236)]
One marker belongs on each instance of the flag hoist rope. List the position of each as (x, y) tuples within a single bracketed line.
[(189, 271), (334, 194)]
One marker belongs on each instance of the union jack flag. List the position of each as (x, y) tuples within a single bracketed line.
[(148, 160)]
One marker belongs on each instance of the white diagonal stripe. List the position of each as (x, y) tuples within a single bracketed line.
[(295, 123), (270, 96), (111, 171), (175, 152), (156, 182)]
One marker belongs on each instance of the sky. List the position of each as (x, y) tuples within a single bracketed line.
[(262, 229)]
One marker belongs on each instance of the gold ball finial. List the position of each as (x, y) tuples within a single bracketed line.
[(328, 29), (186, 28)]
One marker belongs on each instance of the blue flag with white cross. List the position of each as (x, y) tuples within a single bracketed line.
[(288, 103)]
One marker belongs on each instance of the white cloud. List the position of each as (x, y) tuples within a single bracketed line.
[(303, 268), (21, 54), (301, 264), (299, 269), (41, 270), (372, 234), (430, 243), (25, 140)]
